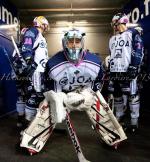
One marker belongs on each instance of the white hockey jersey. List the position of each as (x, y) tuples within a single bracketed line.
[(126, 49), (41, 53), (120, 46), (62, 75), (34, 46)]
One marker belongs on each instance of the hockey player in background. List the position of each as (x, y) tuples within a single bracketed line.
[(126, 53), (34, 52), (73, 78)]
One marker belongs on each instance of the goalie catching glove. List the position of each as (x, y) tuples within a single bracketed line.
[(60, 102), (81, 100)]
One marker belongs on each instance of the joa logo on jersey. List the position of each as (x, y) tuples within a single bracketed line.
[(120, 43), (81, 79)]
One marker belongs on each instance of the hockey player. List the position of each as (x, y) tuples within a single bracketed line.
[(72, 59), (73, 77), (20, 84), (126, 53), (35, 53)]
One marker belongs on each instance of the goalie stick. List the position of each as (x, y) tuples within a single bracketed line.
[(74, 139)]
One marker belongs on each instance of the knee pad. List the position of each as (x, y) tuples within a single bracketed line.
[(35, 100), (134, 99), (111, 87), (125, 100), (133, 87), (119, 106), (31, 107), (20, 107), (30, 113), (134, 104), (125, 88)]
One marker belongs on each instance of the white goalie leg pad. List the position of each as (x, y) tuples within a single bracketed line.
[(20, 106), (57, 107), (105, 122), (38, 132), (80, 100)]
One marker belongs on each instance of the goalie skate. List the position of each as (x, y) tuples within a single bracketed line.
[(38, 132), (105, 122)]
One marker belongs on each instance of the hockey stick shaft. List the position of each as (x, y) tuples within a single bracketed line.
[(15, 46), (17, 51), (74, 139)]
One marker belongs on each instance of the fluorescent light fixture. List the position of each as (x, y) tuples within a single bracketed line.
[(8, 26), (71, 24), (81, 22), (61, 22)]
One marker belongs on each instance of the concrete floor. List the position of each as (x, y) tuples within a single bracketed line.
[(59, 147)]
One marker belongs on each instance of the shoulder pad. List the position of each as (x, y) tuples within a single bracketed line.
[(133, 31), (31, 32)]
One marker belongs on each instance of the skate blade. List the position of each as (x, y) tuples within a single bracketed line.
[(115, 146), (31, 151)]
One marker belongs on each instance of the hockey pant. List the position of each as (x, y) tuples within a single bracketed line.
[(36, 96)]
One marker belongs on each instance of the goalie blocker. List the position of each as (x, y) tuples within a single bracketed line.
[(38, 132)]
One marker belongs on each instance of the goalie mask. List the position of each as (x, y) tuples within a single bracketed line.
[(41, 22), (118, 19), (73, 44)]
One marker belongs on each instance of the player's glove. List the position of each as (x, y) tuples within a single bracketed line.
[(31, 67), (132, 72)]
